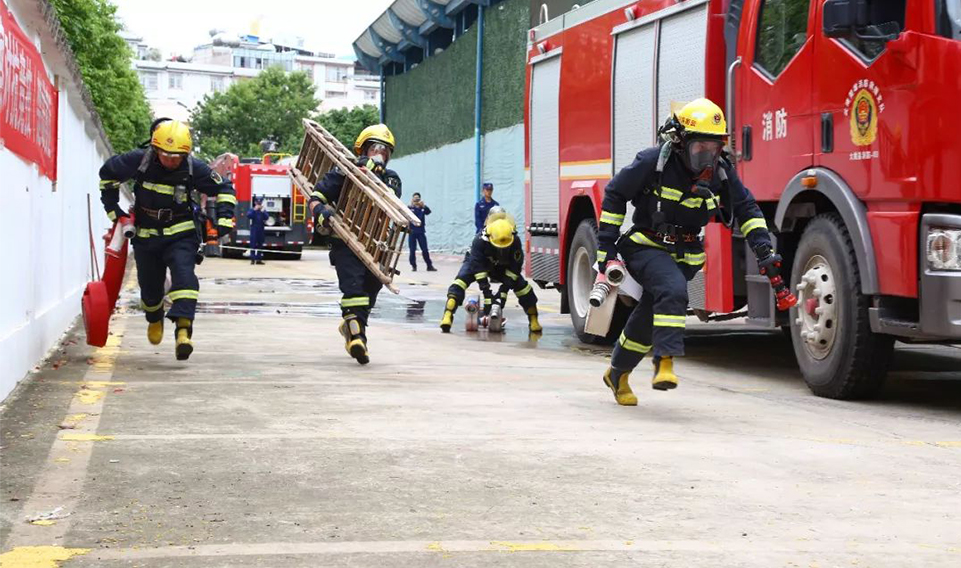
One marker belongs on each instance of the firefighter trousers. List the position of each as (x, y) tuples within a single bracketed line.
[(358, 285), (657, 322), (257, 239), (413, 240), (509, 279), (154, 256)]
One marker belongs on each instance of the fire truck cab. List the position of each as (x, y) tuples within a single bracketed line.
[(841, 117)]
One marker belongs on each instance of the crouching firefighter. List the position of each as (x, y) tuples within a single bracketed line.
[(495, 254), (167, 183), (357, 283), (676, 188)]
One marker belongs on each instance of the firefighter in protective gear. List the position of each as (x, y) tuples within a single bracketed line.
[(359, 286), (167, 183), (676, 189), (496, 254)]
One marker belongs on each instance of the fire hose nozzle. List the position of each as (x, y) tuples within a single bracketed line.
[(784, 299), (599, 293), (612, 277), (128, 230), (615, 273)]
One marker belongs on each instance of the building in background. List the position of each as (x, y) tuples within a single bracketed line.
[(174, 87), (452, 132)]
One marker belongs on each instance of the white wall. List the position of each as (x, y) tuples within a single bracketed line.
[(445, 179), (45, 234)]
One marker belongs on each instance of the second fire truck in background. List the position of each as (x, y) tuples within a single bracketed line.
[(288, 227)]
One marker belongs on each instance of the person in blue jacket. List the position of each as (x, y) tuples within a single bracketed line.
[(258, 220), (418, 235), (482, 207)]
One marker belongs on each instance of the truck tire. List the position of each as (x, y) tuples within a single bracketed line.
[(836, 351), (581, 272)]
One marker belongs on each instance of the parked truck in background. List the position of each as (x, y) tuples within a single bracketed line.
[(288, 227), (842, 122)]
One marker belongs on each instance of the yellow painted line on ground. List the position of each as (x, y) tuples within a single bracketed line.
[(70, 437), (90, 396), (60, 482), (102, 384), (39, 556)]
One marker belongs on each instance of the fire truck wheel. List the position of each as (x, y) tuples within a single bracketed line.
[(838, 354), (581, 272)]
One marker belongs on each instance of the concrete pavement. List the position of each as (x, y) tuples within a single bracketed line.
[(271, 447)]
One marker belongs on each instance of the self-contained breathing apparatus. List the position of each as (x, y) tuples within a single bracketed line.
[(184, 194)]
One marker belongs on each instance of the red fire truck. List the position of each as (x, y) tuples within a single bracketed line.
[(267, 177), (841, 115)]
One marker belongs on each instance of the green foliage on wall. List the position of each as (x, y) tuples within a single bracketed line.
[(104, 61), (433, 104), (505, 45)]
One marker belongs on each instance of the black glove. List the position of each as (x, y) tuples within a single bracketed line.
[(322, 214), (371, 164), (606, 252), (768, 261)]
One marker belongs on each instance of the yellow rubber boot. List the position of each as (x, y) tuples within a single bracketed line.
[(664, 377), (184, 344), (535, 325), (448, 318), (155, 332), (617, 382), (356, 347)]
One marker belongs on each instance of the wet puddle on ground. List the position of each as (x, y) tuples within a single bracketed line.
[(398, 309)]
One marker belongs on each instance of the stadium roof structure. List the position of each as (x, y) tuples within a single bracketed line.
[(410, 30)]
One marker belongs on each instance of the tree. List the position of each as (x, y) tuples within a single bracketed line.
[(270, 105), (104, 61), (346, 124)]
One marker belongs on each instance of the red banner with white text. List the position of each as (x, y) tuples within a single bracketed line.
[(28, 100)]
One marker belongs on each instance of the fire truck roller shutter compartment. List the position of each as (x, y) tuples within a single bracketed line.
[(545, 168), (635, 122), (680, 74), (275, 190), (680, 79)]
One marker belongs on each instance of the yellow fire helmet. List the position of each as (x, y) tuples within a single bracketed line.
[(376, 132), (701, 116), (172, 136), (500, 233)]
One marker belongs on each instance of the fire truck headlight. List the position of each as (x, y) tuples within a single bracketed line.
[(944, 249)]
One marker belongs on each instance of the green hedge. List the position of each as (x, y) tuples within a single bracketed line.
[(505, 45), (433, 104)]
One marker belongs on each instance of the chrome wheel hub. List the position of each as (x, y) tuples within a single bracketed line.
[(817, 311)]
